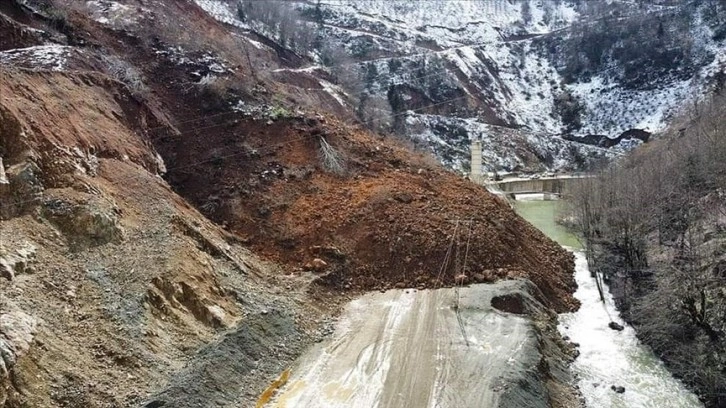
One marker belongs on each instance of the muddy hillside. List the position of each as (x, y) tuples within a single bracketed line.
[(383, 218), (171, 239)]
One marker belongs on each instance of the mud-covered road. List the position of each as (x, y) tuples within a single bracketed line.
[(410, 349)]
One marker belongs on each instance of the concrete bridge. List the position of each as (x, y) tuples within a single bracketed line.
[(550, 185), (556, 186)]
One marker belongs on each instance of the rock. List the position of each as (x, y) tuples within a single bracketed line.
[(328, 251), (616, 326), (24, 187), (403, 197), (480, 278), (88, 224), (510, 303), (3, 177), (16, 262), (318, 265), (264, 212), (218, 315), (17, 330), (619, 389)]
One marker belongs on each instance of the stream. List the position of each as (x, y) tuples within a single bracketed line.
[(607, 357)]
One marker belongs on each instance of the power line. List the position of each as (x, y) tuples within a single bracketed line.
[(459, 318), (447, 256)]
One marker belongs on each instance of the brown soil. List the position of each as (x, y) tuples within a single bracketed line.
[(388, 221), (127, 281)]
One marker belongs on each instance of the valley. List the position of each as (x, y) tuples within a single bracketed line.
[(241, 203)]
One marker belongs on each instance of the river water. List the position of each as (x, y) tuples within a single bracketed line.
[(607, 357)]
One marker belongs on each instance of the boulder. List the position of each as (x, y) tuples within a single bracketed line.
[(17, 330), (616, 326), (617, 388), (13, 262), (93, 223), (317, 265)]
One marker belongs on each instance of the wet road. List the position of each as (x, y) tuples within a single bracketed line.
[(407, 349)]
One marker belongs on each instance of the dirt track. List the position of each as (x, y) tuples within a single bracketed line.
[(406, 349)]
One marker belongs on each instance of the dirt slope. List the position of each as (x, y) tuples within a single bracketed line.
[(387, 221), (111, 282)]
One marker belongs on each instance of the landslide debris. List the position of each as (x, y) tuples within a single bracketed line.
[(387, 221), (128, 294)]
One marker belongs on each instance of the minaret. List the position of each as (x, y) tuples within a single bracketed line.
[(475, 174)]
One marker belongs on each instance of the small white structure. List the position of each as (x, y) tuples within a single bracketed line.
[(475, 175)]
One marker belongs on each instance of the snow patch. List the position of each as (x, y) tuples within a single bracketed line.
[(334, 91), (221, 12), (114, 14), (53, 57), (611, 110)]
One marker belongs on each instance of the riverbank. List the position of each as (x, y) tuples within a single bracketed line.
[(607, 358), (655, 224)]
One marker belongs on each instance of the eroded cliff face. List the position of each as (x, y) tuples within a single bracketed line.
[(145, 263), (110, 280)]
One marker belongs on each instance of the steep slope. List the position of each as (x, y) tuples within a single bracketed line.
[(561, 68), (660, 219), (111, 281)]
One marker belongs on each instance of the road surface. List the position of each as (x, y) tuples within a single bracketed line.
[(407, 349)]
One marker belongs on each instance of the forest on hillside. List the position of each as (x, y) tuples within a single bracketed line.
[(654, 225)]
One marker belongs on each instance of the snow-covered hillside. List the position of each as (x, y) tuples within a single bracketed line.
[(491, 51), (479, 47), (525, 65)]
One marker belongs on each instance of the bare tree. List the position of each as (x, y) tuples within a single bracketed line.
[(332, 160), (651, 222), (526, 12)]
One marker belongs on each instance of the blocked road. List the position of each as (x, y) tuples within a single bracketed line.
[(408, 348)]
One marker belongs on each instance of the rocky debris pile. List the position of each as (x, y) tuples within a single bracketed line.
[(393, 219), (135, 305)]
